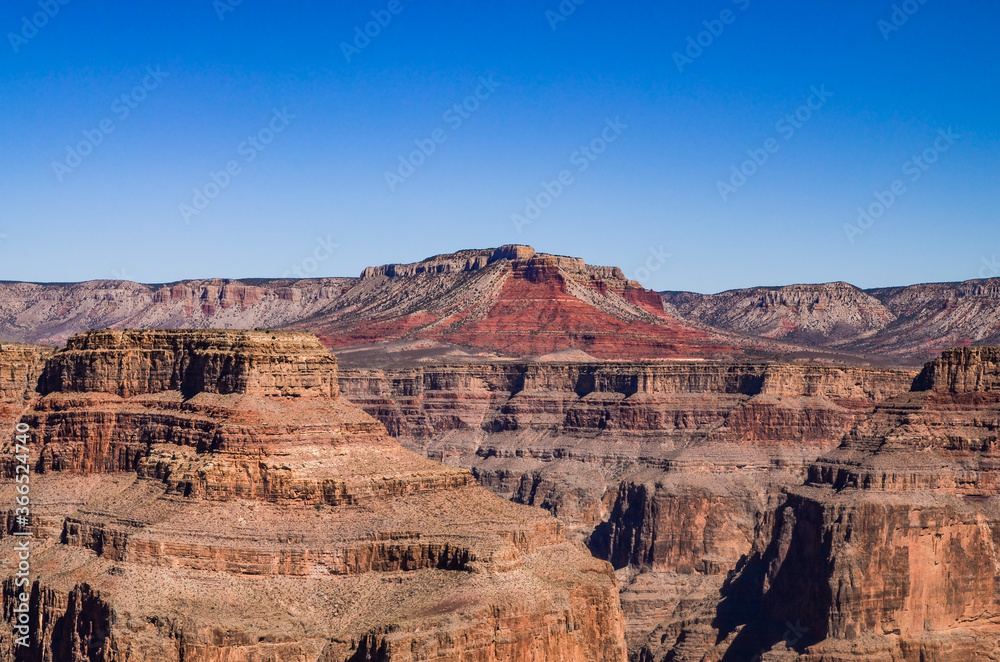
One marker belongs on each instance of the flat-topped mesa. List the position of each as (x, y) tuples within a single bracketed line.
[(181, 478), (962, 370), (129, 363), (476, 259)]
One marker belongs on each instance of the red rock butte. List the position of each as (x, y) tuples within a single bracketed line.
[(514, 301), (207, 496)]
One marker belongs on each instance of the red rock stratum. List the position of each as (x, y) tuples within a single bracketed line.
[(207, 496)]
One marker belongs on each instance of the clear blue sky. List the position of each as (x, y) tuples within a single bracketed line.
[(346, 119)]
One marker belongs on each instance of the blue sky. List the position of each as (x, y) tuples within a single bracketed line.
[(624, 132)]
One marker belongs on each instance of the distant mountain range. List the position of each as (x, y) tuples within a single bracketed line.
[(512, 301), (914, 322)]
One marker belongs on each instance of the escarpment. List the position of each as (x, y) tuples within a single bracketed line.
[(672, 470), (21, 369), (208, 496), (891, 549), (513, 422)]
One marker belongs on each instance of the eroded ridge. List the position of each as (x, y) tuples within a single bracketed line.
[(205, 496)]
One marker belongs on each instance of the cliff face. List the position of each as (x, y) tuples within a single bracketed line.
[(890, 550), (21, 369), (671, 471), (208, 496), (254, 363)]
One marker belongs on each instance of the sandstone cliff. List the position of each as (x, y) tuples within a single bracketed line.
[(891, 550), (207, 496), (671, 471)]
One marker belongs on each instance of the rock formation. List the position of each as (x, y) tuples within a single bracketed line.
[(890, 552), (21, 368), (509, 300), (513, 301), (208, 497), (671, 471), (913, 323), (516, 302)]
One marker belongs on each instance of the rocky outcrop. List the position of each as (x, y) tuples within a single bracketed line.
[(512, 301), (206, 496), (891, 550), (130, 363), (21, 369)]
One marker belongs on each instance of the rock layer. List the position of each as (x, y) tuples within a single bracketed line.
[(911, 323), (891, 550), (208, 496), (670, 470), (510, 300)]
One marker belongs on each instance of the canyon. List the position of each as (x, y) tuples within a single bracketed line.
[(753, 511), (806, 473), (209, 495)]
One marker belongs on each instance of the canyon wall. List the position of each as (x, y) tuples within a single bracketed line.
[(891, 549), (755, 512), (673, 471), (207, 496)]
